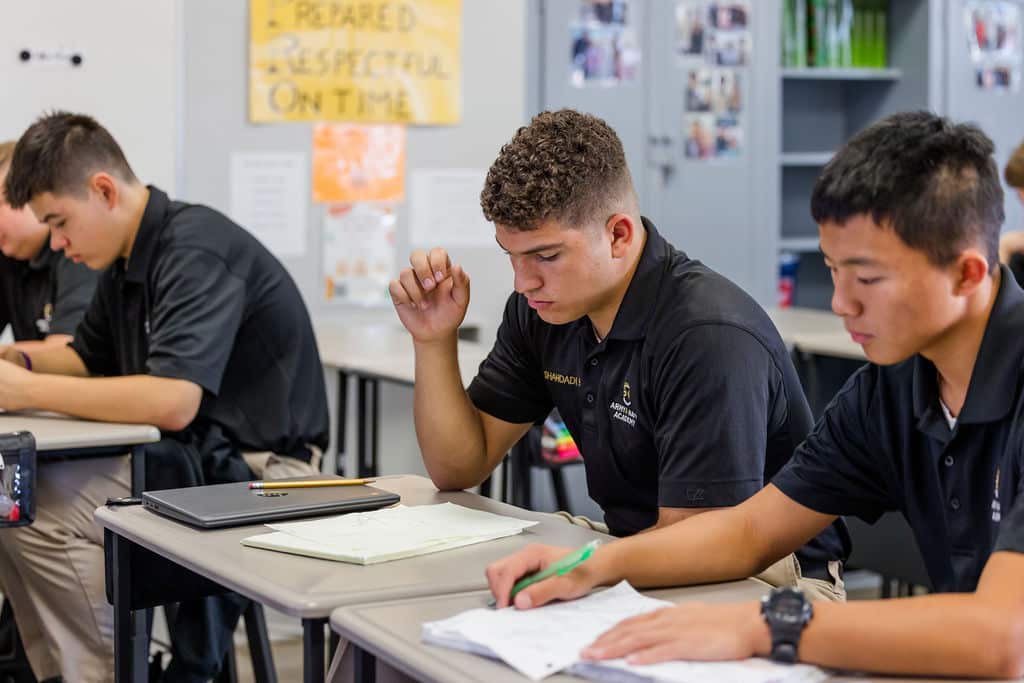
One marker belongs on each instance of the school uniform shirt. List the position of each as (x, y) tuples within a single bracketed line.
[(883, 444), (46, 295), (691, 401), (200, 299)]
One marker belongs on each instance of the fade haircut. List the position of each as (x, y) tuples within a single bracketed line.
[(1014, 173), (565, 166), (58, 153), (934, 182)]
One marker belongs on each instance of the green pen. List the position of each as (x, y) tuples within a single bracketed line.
[(559, 568)]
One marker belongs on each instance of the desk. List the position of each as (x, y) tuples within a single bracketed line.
[(372, 354), (306, 588), (391, 631), (59, 437)]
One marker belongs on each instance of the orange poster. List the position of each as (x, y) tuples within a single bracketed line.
[(356, 163)]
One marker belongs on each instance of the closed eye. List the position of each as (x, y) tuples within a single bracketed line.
[(547, 259)]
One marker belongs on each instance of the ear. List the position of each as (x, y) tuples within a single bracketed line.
[(970, 271), (104, 185), (622, 232)]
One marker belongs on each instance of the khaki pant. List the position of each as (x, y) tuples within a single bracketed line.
[(52, 571)]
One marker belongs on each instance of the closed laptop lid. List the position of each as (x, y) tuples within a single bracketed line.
[(221, 505)]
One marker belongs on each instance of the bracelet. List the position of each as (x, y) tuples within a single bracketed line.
[(28, 361)]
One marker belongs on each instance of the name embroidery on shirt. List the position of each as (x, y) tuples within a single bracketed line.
[(997, 508), (621, 409), (559, 378)]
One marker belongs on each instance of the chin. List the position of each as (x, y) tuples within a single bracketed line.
[(886, 356)]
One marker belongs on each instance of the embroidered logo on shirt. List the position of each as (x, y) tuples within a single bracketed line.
[(622, 411), (997, 508)]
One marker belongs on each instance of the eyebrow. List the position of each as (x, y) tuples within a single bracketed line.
[(855, 261), (534, 250)]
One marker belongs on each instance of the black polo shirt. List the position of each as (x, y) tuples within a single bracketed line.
[(201, 299), (690, 401), (44, 296), (884, 444)]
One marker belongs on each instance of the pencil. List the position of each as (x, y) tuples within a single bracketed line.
[(308, 483)]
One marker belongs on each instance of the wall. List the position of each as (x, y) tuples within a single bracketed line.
[(215, 37)]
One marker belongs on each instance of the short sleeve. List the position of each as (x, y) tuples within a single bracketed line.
[(75, 286), (94, 338), (712, 396), (509, 384), (197, 309), (843, 467)]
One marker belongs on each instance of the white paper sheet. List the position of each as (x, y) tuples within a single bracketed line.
[(270, 197), (388, 534), (544, 641), (444, 209)]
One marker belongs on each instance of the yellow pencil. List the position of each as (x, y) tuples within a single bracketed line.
[(307, 484)]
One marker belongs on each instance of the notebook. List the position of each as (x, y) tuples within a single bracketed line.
[(222, 505), (547, 640), (391, 534)]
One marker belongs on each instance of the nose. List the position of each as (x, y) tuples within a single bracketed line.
[(526, 279), (57, 242), (844, 303)]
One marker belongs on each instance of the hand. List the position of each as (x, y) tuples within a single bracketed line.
[(1009, 244), (13, 379), (690, 631), (503, 574), (432, 296)]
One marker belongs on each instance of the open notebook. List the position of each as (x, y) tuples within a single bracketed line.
[(389, 534), (547, 640)]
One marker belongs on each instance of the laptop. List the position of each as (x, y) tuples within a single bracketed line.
[(235, 504)]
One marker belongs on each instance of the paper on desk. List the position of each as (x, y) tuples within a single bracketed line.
[(388, 534), (544, 641)]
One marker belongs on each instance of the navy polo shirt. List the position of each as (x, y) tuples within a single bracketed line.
[(201, 299), (44, 296), (691, 401), (883, 444)]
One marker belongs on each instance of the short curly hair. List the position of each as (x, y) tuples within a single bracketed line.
[(1014, 172), (565, 166)]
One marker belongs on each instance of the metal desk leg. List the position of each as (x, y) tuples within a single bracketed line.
[(368, 418), (314, 656), (364, 669), (138, 458), (339, 462), (131, 642)]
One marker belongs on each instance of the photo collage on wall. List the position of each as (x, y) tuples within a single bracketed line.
[(994, 43), (713, 46), (604, 48)]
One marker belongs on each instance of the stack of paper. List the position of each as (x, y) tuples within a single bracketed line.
[(388, 534), (546, 640)]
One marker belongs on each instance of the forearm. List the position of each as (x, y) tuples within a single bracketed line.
[(717, 545), (54, 341), (448, 426), (139, 399), (957, 635), (48, 358)]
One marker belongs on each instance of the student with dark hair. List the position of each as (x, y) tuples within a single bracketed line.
[(42, 295), (673, 382), (909, 213), (196, 328)]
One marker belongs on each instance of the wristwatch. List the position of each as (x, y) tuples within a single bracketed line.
[(787, 611)]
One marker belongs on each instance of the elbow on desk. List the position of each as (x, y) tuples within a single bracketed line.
[(178, 408), (1009, 648)]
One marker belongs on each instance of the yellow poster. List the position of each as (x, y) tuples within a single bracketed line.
[(358, 163), (368, 61)]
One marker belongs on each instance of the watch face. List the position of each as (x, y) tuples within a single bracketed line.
[(787, 606)]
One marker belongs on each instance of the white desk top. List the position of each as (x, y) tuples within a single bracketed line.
[(307, 587), (384, 351), (55, 432), (812, 331), (391, 631)]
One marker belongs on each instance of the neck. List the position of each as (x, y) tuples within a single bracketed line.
[(955, 354), (603, 317), (135, 197)]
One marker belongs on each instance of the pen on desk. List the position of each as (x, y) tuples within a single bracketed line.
[(308, 483), (559, 568)]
